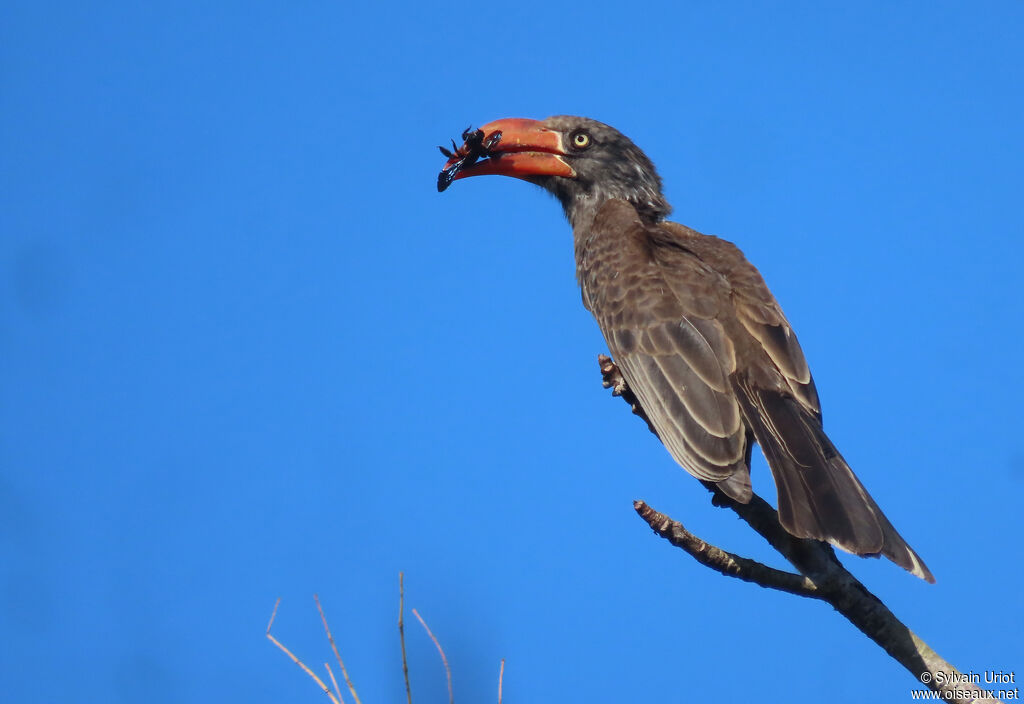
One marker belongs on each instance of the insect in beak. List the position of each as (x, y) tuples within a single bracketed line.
[(474, 147)]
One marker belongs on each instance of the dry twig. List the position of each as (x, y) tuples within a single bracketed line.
[(337, 689), (335, 695), (330, 638), (447, 670), (821, 576), (298, 662), (401, 633), (501, 676)]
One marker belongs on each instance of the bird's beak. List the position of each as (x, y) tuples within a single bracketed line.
[(524, 148)]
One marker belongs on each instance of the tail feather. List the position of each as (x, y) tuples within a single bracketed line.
[(819, 495)]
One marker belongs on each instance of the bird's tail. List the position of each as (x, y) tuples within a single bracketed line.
[(819, 495)]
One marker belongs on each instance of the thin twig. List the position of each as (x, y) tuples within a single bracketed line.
[(501, 676), (447, 670), (337, 689), (298, 662), (725, 562), (337, 655), (273, 614), (401, 633)]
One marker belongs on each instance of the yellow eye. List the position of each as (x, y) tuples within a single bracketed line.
[(581, 140)]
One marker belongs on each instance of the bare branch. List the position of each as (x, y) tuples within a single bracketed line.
[(401, 633), (273, 614), (330, 638), (501, 677), (447, 670), (298, 662), (334, 682), (725, 562), (824, 577)]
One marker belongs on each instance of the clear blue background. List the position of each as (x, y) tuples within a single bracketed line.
[(249, 352)]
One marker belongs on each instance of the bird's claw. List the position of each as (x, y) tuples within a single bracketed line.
[(611, 377)]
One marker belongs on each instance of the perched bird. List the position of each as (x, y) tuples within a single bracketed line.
[(695, 331)]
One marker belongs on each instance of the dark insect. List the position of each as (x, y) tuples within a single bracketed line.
[(474, 147)]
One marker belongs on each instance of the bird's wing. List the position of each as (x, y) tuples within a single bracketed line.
[(760, 314), (819, 495), (673, 352), (779, 361)]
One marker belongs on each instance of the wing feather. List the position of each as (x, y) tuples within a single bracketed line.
[(709, 456), (675, 355), (705, 346)]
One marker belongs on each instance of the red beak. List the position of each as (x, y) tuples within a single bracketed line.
[(526, 148)]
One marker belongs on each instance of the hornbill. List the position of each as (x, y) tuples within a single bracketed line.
[(693, 328)]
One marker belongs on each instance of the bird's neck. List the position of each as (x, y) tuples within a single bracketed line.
[(604, 247), (583, 209), (580, 210), (581, 206)]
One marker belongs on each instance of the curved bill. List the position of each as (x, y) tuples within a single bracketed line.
[(515, 147)]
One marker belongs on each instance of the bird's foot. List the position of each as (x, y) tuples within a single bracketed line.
[(611, 377)]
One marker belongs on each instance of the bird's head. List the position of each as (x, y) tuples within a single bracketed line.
[(581, 161)]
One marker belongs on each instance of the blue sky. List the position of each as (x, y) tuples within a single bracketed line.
[(249, 352)]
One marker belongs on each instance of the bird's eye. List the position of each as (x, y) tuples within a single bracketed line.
[(581, 140)]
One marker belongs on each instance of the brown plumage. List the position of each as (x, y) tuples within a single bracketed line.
[(695, 331)]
